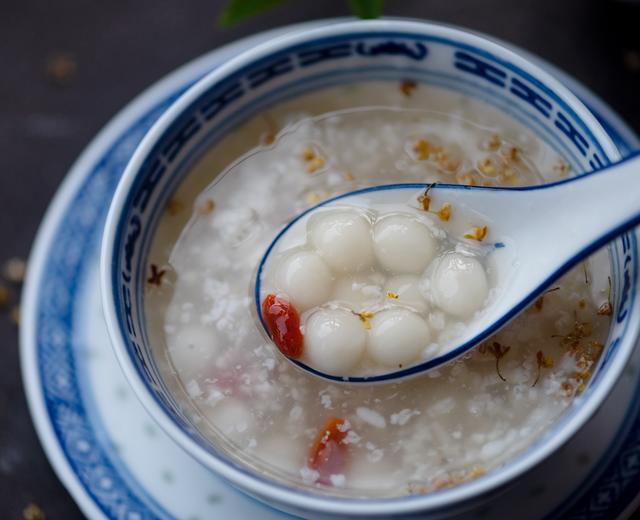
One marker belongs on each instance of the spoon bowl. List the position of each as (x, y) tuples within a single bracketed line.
[(533, 236)]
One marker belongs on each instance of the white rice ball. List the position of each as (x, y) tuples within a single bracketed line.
[(231, 416), (334, 341), (282, 452), (459, 284), (191, 349), (305, 278), (343, 240), (397, 337), (403, 244)]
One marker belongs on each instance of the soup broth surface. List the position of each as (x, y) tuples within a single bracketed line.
[(427, 433)]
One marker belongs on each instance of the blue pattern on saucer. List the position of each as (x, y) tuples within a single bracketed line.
[(66, 408)]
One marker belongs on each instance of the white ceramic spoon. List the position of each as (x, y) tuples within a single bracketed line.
[(535, 234)]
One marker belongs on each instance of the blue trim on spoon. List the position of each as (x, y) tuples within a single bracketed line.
[(495, 326)]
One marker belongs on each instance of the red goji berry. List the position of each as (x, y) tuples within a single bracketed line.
[(283, 325), (328, 453)]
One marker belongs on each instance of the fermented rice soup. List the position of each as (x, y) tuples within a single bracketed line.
[(417, 436)]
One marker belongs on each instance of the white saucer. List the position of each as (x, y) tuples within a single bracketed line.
[(116, 462)]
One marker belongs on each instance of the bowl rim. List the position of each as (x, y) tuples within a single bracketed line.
[(250, 481)]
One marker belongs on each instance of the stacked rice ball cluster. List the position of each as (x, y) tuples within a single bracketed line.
[(369, 286)]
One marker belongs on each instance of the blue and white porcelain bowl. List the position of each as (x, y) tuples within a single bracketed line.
[(289, 66)]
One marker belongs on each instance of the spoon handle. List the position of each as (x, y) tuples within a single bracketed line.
[(584, 213), (569, 220)]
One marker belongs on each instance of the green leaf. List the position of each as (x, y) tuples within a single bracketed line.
[(366, 8), (240, 9)]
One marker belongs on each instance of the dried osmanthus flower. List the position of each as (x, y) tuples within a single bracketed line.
[(494, 143), (444, 213), (407, 87), (512, 155), (539, 303), (542, 361), (477, 233), (486, 166), (587, 281), (424, 199), (174, 206), (315, 197), (445, 161), (156, 276), (206, 208), (467, 178), (422, 149), (566, 389), (365, 318), (562, 168), (581, 330), (314, 161), (498, 351)]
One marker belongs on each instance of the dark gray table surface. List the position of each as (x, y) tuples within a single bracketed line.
[(120, 47)]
